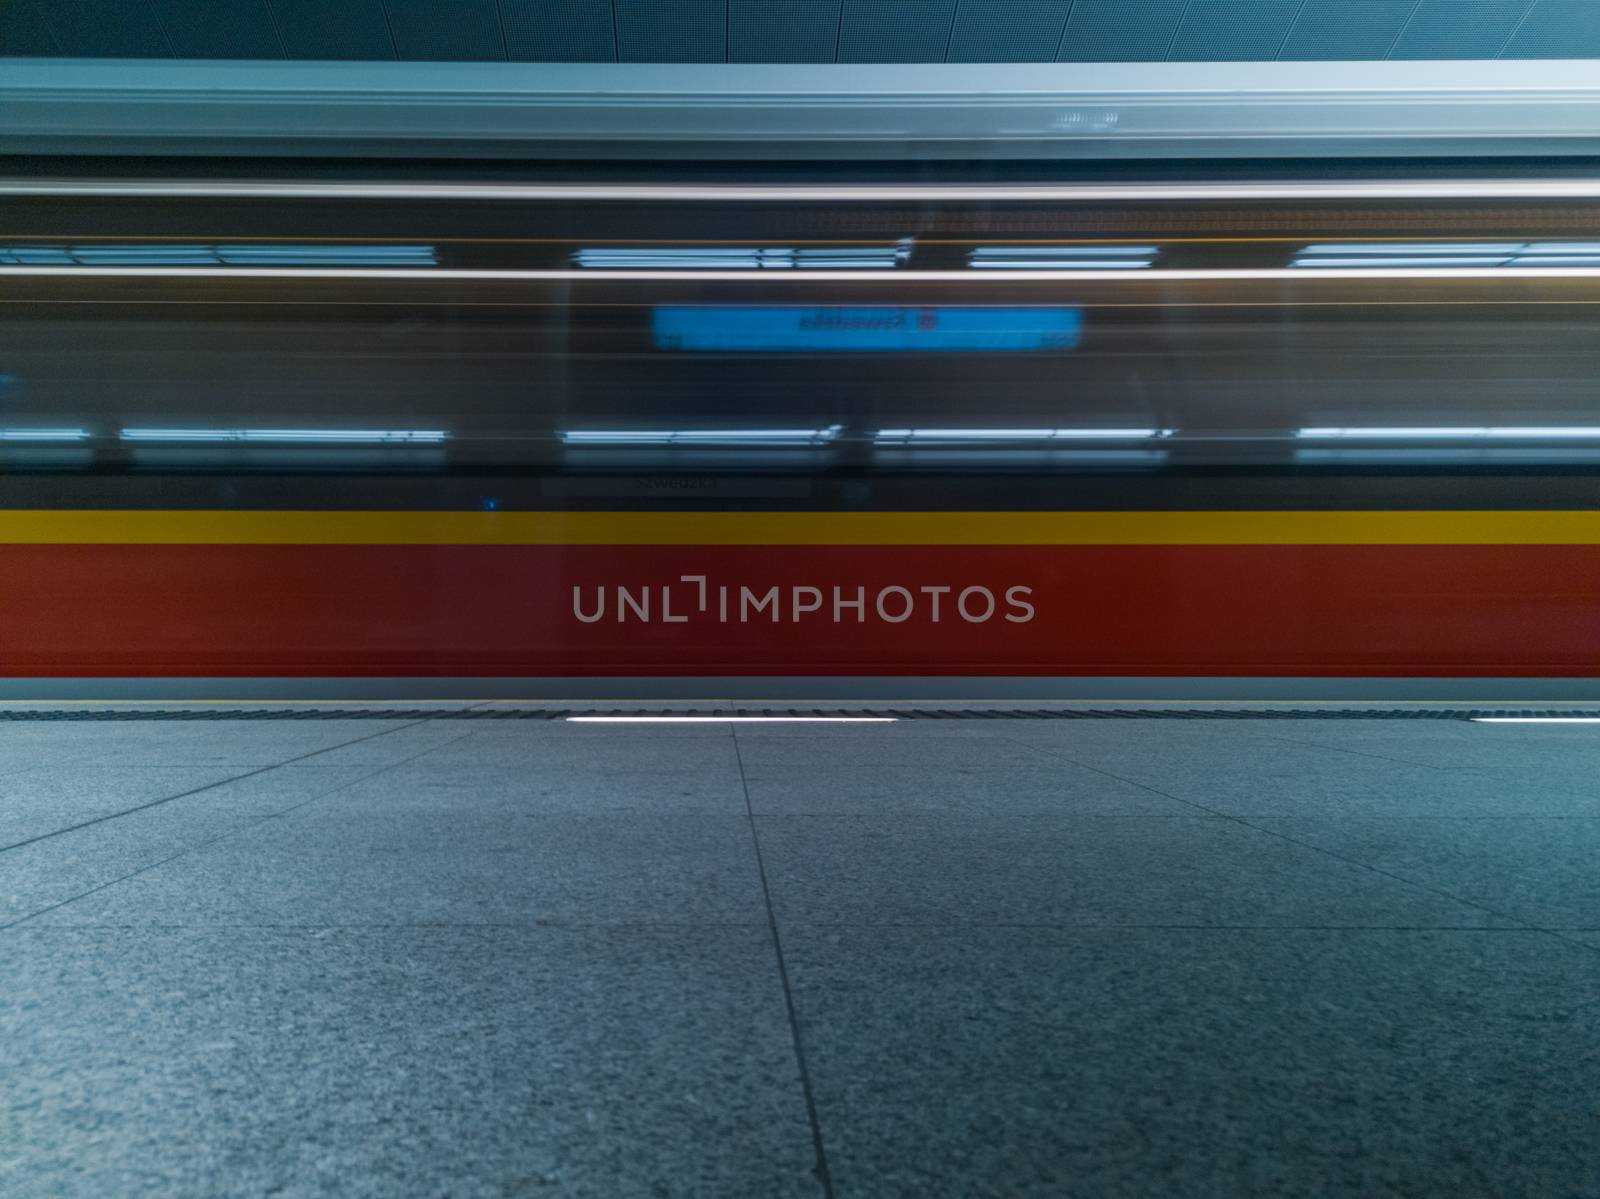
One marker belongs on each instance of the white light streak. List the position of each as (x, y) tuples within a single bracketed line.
[(1443, 189), (1393, 249), (1102, 273), (101, 255), (702, 437), (328, 436), (732, 719), (1480, 260), (44, 434), (1071, 258), (1449, 432), (1462, 254), (746, 258), (962, 435)]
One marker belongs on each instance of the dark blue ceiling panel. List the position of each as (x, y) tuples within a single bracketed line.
[(895, 30), (672, 30), (1117, 31), (1008, 30), (1346, 29), (349, 29), (1220, 30), (783, 30), (205, 29), (803, 31), (446, 30), (23, 32), (560, 30), (106, 29), (1558, 29), (1459, 28)]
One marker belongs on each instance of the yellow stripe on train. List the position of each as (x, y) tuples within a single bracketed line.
[(209, 527)]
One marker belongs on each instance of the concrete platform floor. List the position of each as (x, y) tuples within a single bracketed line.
[(1012, 958)]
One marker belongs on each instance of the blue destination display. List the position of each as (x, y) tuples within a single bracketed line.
[(776, 328)]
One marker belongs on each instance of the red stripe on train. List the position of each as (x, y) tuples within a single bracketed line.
[(148, 610)]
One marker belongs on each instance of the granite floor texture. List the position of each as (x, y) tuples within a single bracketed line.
[(1054, 958)]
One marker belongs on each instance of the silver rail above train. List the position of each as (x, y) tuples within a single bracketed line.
[(871, 112)]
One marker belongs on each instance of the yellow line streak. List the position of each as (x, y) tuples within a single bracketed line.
[(113, 527)]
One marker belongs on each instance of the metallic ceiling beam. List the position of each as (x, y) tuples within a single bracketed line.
[(859, 111)]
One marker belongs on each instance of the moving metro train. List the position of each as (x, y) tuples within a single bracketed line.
[(305, 431)]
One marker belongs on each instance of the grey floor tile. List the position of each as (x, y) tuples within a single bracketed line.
[(400, 744), (50, 797), (451, 1062), (1259, 754), (1285, 780), (60, 868), (1133, 1064), (244, 743), (1076, 870), (825, 787), (536, 746), (1545, 871), (1016, 975), (333, 866), (1545, 752), (993, 752), (426, 785), (891, 733), (1121, 732), (518, 731)]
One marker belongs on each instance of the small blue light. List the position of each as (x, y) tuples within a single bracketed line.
[(490, 504)]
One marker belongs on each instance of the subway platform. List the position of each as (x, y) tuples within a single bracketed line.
[(424, 953)]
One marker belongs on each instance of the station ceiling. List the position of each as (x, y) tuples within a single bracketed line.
[(800, 31)]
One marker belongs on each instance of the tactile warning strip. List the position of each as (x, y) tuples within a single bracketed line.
[(900, 713)]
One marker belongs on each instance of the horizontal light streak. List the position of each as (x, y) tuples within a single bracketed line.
[(44, 434), (701, 437), (1107, 250), (1098, 273), (1443, 189), (1394, 248), (1535, 719), (1056, 264), (732, 719), (1450, 432), (1073, 258), (331, 436), (1478, 260), (171, 255), (742, 258), (1520, 255), (1459, 453), (985, 435), (355, 255)]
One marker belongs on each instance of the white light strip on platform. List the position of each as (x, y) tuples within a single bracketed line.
[(732, 719), (1535, 719)]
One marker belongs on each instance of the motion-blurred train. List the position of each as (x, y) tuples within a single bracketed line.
[(559, 431)]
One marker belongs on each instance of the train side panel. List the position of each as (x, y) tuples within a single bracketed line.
[(569, 606)]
